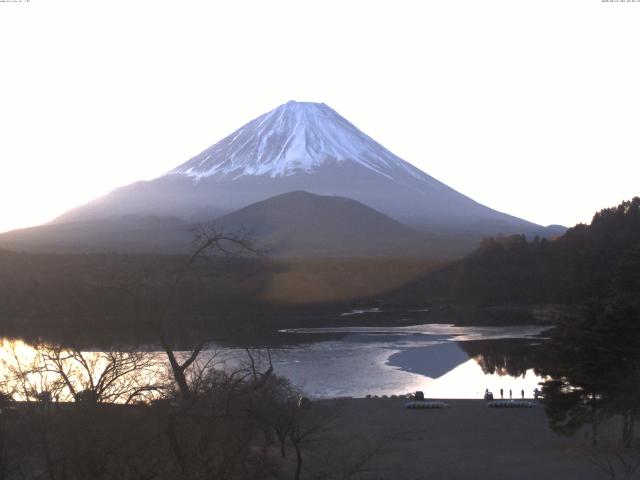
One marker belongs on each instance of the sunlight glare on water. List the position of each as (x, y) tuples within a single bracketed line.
[(362, 361)]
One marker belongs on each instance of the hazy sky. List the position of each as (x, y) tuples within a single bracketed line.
[(530, 107)]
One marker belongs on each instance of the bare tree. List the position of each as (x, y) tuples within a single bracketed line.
[(114, 376), (179, 368), (212, 436), (25, 374), (618, 458), (159, 291), (199, 384), (306, 426)]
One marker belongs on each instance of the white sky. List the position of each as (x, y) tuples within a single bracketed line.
[(530, 107)]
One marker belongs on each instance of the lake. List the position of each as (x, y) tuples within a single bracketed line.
[(434, 358), (444, 361)]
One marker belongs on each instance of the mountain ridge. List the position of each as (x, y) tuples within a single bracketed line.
[(293, 224), (302, 223), (303, 146)]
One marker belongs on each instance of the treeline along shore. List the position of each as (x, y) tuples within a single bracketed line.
[(507, 279)]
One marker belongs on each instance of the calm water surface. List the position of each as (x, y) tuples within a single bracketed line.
[(398, 360), (444, 361)]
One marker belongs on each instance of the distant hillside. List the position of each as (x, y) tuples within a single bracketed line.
[(294, 224), (301, 223), (125, 234), (587, 263)]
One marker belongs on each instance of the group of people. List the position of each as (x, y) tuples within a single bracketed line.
[(489, 395)]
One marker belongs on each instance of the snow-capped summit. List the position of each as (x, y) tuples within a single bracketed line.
[(292, 138), (302, 146)]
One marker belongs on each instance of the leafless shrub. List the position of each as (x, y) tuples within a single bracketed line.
[(618, 458)]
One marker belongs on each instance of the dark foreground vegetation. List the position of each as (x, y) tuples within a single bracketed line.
[(592, 366), (132, 415)]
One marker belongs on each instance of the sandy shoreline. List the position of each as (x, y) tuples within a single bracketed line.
[(466, 441)]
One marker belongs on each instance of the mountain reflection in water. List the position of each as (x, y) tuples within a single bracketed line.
[(442, 360)]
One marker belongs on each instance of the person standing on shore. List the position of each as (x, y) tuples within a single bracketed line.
[(522, 393), (510, 395), (501, 393)]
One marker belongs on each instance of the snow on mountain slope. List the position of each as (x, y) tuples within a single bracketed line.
[(295, 137), (309, 147)]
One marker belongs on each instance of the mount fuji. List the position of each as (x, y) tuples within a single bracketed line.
[(301, 146), (301, 177)]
